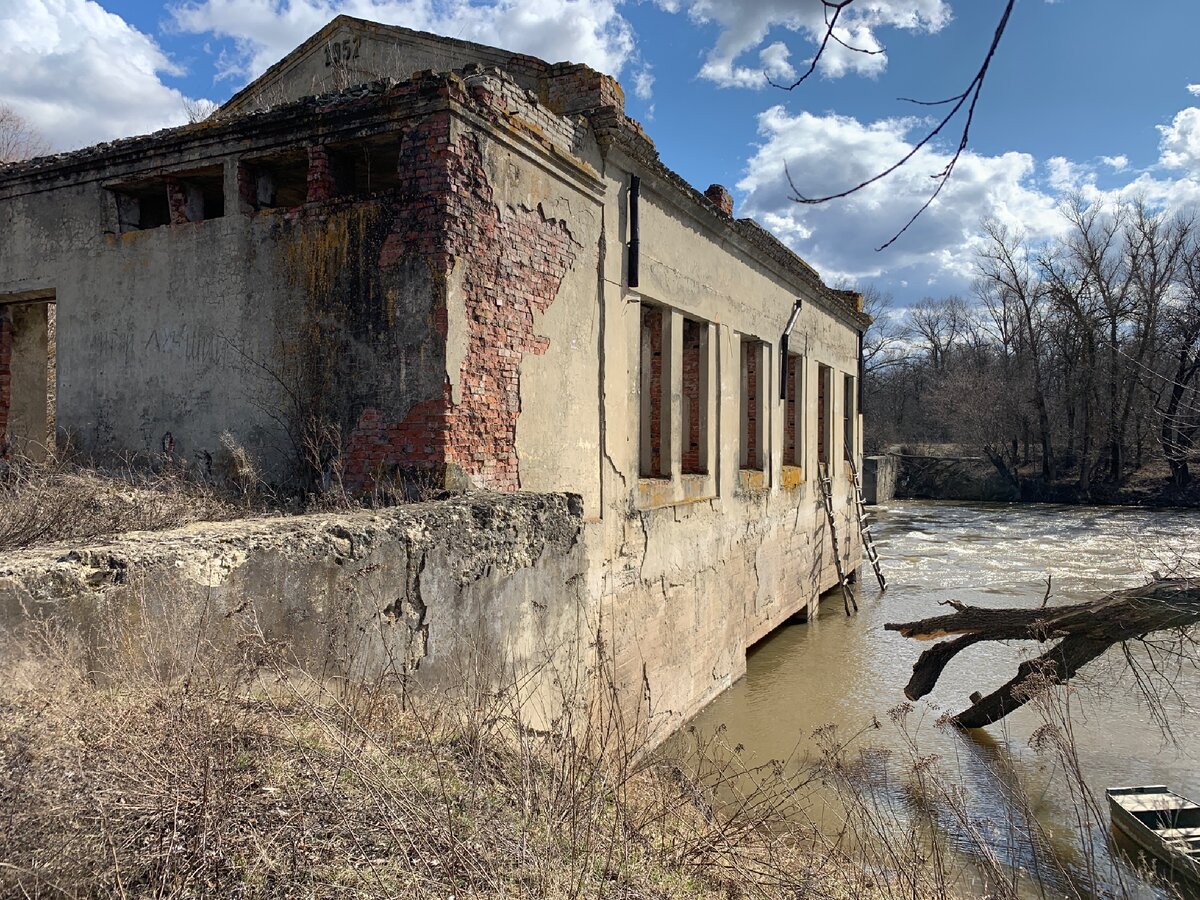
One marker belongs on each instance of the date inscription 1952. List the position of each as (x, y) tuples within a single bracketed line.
[(337, 52)]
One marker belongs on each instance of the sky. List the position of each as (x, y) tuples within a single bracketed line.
[(1099, 98)]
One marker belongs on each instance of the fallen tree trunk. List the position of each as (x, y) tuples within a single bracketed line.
[(1084, 631)]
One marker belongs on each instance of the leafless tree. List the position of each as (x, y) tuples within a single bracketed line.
[(1016, 298), (18, 139)]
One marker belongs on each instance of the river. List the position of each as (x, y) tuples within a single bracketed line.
[(849, 670)]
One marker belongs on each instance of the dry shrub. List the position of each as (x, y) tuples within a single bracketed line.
[(47, 502), (193, 756), (195, 768)]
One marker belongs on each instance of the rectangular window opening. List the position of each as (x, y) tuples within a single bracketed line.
[(28, 376), (849, 414), (203, 193), (794, 449), (652, 463), (752, 449), (824, 423), (277, 182), (365, 167), (695, 397), (142, 206)]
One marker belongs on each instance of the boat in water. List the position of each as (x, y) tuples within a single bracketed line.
[(1163, 824)]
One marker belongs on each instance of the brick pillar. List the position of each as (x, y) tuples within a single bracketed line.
[(6, 341), (320, 175), (177, 201), (721, 198)]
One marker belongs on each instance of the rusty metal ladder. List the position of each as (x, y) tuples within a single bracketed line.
[(864, 524), (826, 483)]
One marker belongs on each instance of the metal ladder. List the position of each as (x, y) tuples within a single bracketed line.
[(826, 484), (864, 525)]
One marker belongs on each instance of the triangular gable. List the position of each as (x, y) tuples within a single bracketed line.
[(351, 51)]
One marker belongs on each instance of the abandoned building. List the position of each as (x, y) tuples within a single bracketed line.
[(399, 253)]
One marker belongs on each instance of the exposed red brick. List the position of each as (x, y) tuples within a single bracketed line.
[(692, 398), (721, 198), (792, 451), (177, 201), (320, 175), (750, 375), (823, 376), (513, 272), (652, 352)]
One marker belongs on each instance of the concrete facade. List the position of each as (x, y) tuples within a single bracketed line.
[(440, 275)]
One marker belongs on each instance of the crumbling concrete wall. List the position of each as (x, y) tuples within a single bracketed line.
[(316, 334), (414, 591)]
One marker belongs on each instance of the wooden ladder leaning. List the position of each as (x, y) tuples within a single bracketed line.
[(864, 524), (826, 484)]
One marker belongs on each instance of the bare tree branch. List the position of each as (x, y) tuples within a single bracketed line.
[(968, 98), (833, 10)]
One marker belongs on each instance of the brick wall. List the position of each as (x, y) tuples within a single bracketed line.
[(652, 352), (177, 201), (6, 340), (692, 399), (513, 270), (320, 175)]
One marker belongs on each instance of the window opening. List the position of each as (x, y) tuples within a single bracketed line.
[(142, 206), (652, 464), (695, 398), (824, 397), (848, 413), (365, 167), (200, 195), (752, 425), (276, 182), (27, 378), (794, 451)]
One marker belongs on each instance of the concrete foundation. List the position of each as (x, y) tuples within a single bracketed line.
[(879, 474)]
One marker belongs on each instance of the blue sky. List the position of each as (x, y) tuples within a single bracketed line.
[(1087, 96)]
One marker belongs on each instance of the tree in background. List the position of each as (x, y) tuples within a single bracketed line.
[(1081, 355), (18, 139)]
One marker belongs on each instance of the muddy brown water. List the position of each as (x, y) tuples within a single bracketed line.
[(849, 670)]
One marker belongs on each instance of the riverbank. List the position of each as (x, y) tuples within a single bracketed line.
[(953, 472)]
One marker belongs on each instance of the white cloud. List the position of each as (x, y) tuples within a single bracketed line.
[(1066, 176), (1179, 143), (745, 25), (825, 154), (263, 31), (830, 153), (1194, 89), (643, 83), (84, 74)]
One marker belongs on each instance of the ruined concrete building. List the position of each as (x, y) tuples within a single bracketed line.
[(396, 253)]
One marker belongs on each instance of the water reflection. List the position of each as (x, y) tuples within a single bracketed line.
[(848, 671)]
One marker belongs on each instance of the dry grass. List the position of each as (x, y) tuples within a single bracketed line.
[(161, 760), (190, 770), (45, 503)]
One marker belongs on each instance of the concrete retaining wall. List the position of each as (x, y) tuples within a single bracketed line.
[(410, 590)]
